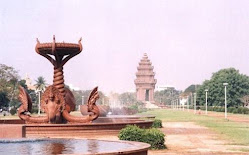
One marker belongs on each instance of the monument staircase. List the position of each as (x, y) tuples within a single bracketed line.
[(150, 105)]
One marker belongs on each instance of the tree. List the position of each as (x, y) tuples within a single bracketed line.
[(8, 85), (84, 94), (3, 100), (31, 92), (127, 98), (165, 96), (192, 88), (238, 86), (40, 83), (8, 79)]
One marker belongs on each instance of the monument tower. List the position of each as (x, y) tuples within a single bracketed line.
[(145, 81)]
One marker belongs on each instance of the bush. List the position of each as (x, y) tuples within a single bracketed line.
[(235, 110), (230, 109), (221, 109), (210, 108), (153, 136), (142, 110), (239, 110), (13, 111), (131, 133), (245, 110), (157, 123)]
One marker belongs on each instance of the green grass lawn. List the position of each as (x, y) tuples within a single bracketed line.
[(233, 132)]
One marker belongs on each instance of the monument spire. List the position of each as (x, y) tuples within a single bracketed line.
[(145, 81)]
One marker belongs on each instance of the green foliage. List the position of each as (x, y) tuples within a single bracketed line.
[(13, 111), (9, 82), (40, 83), (238, 86), (140, 110), (191, 89), (134, 107), (127, 98), (131, 133), (235, 110), (138, 106), (8, 85), (165, 96), (157, 123), (4, 100), (78, 94), (153, 136)]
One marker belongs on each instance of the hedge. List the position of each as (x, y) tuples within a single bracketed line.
[(157, 123), (152, 136)]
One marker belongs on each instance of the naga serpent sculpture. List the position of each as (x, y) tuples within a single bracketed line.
[(57, 101)]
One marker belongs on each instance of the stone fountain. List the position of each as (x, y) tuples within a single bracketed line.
[(57, 101)]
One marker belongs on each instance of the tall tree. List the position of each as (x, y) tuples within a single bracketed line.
[(8, 85), (40, 83), (192, 88), (3, 100), (238, 86), (165, 96), (127, 98)]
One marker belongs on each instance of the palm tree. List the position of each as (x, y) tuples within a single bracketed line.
[(40, 83)]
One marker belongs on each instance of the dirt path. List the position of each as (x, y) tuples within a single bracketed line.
[(189, 138)]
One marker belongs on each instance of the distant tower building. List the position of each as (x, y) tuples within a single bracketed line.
[(29, 83), (145, 82)]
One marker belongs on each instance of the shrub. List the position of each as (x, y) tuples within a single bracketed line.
[(155, 138), (157, 123), (131, 133), (13, 111), (142, 110), (221, 109), (210, 108), (245, 110), (235, 110), (240, 109), (230, 109), (152, 136)]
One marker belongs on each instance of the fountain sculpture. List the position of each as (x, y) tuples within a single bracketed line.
[(57, 101)]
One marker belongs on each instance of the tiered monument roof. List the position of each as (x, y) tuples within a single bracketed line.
[(145, 74)]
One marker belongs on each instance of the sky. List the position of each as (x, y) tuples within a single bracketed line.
[(186, 40)]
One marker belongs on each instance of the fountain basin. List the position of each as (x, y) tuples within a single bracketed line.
[(71, 146), (102, 126)]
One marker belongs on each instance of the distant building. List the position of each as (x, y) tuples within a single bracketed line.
[(184, 97), (29, 83), (183, 100), (245, 100), (145, 81)]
